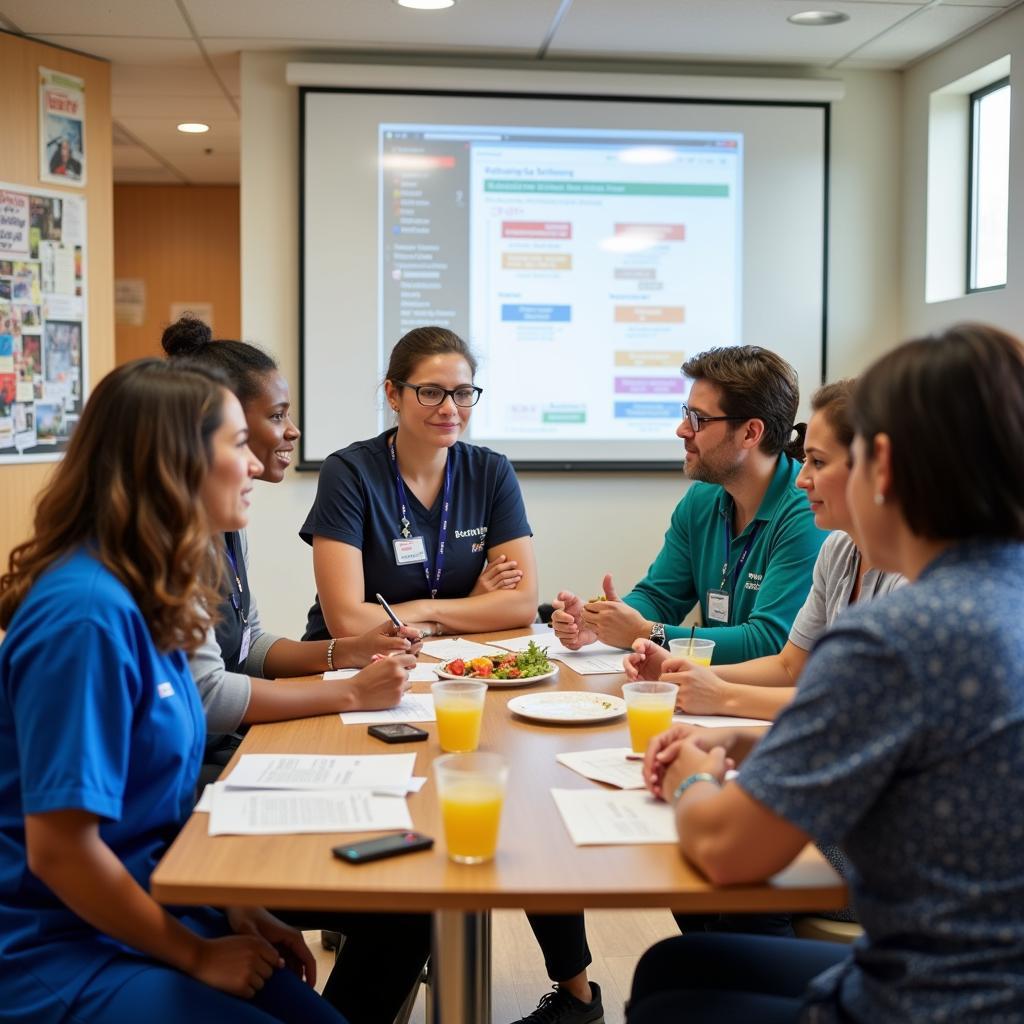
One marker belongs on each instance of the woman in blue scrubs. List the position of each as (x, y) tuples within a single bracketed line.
[(101, 728), (435, 525)]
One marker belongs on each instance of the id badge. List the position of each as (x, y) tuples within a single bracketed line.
[(244, 651), (718, 606), (409, 550)]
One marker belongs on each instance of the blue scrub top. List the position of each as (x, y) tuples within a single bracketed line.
[(356, 504), (94, 718)]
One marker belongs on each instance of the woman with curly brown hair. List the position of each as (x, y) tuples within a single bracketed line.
[(101, 729)]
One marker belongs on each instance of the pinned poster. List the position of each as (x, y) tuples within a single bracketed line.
[(61, 128), (43, 325)]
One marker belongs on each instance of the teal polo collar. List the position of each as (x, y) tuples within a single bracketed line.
[(786, 470)]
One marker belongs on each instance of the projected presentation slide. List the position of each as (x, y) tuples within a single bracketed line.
[(584, 265)]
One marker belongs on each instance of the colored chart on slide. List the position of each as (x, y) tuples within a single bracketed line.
[(597, 262)]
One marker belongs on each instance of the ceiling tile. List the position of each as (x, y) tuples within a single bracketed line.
[(100, 17), (173, 109), (751, 30), (128, 49), (491, 24), (929, 31)]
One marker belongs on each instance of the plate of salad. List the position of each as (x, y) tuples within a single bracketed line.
[(510, 669)]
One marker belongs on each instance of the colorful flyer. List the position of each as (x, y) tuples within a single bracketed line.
[(61, 128)]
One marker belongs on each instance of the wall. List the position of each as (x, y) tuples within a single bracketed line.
[(584, 524), (182, 241), (1004, 307), (19, 164)]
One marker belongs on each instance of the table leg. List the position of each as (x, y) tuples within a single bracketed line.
[(460, 967)]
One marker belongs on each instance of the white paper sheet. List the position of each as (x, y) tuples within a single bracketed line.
[(423, 672), (205, 803), (588, 663), (249, 812), (341, 673), (609, 764), (414, 707), (456, 647), (601, 817), (718, 721), (316, 772)]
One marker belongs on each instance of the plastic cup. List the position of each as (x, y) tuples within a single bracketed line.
[(471, 788), (459, 706), (700, 653), (649, 708)]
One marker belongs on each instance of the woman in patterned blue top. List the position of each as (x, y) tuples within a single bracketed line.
[(904, 744), (101, 729)]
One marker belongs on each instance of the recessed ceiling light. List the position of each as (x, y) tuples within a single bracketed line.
[(426, 5), (818, 18), (193, 127)]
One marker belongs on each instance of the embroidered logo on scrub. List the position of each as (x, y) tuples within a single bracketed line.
[(165, 690)]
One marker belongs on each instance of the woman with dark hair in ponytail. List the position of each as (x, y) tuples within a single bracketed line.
[(234, 667)]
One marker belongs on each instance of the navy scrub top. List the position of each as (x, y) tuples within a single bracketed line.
[(356, 503)]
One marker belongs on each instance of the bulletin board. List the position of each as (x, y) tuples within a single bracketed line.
[(43, 327)]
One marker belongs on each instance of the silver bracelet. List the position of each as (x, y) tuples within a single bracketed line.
[(330, 654)]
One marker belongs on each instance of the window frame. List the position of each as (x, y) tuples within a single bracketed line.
[(973, 109)]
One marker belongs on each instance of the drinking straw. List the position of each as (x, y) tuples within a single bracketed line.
[(689, 649)]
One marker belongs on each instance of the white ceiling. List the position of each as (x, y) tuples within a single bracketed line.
[(177, 60)]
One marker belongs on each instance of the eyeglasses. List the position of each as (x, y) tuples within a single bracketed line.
[(697, 421), (430, 394)]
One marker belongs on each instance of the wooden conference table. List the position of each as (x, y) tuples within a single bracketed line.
[(537, 866)]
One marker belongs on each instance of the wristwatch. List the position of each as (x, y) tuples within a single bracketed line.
[(658, 635)]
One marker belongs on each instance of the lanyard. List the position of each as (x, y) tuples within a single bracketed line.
[(442, 533), (236, 599), (743, 555)]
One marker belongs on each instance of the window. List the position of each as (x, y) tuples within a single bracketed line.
[(989, 186)]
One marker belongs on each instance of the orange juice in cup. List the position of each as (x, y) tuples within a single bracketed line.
[(471, 789), (459, 707), (698, 650), (649, 708)]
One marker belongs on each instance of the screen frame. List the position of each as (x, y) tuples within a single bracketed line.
[(551, 465)]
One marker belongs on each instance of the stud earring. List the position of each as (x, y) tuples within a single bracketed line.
[(879, 499)]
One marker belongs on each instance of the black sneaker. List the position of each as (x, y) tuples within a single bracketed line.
[(560, 1007)]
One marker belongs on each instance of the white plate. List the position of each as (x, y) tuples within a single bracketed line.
[(567, 707), (491, 682)]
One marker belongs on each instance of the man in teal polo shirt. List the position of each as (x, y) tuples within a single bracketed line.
[(742, 542)]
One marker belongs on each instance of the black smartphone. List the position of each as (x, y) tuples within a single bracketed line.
[(385, 846), (397, 733)]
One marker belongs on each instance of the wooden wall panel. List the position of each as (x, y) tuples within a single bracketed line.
[(183, 242), (19, 164)]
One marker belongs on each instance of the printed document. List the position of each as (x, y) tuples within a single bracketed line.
[(249, 812), (605, 818), (316, 772), (608, 764), (414, 707)]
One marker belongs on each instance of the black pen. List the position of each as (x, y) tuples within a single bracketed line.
[(390, 614)]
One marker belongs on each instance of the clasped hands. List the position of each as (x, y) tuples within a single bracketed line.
[(607, 618)]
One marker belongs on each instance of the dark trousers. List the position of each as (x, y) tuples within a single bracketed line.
[(778, 925), (563, 940), (713, 978), (563, 937), (381, 959)]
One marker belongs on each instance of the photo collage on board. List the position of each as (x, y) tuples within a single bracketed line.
[(42, 318)]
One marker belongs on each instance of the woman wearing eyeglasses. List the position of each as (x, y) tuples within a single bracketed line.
[(435, 525)]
